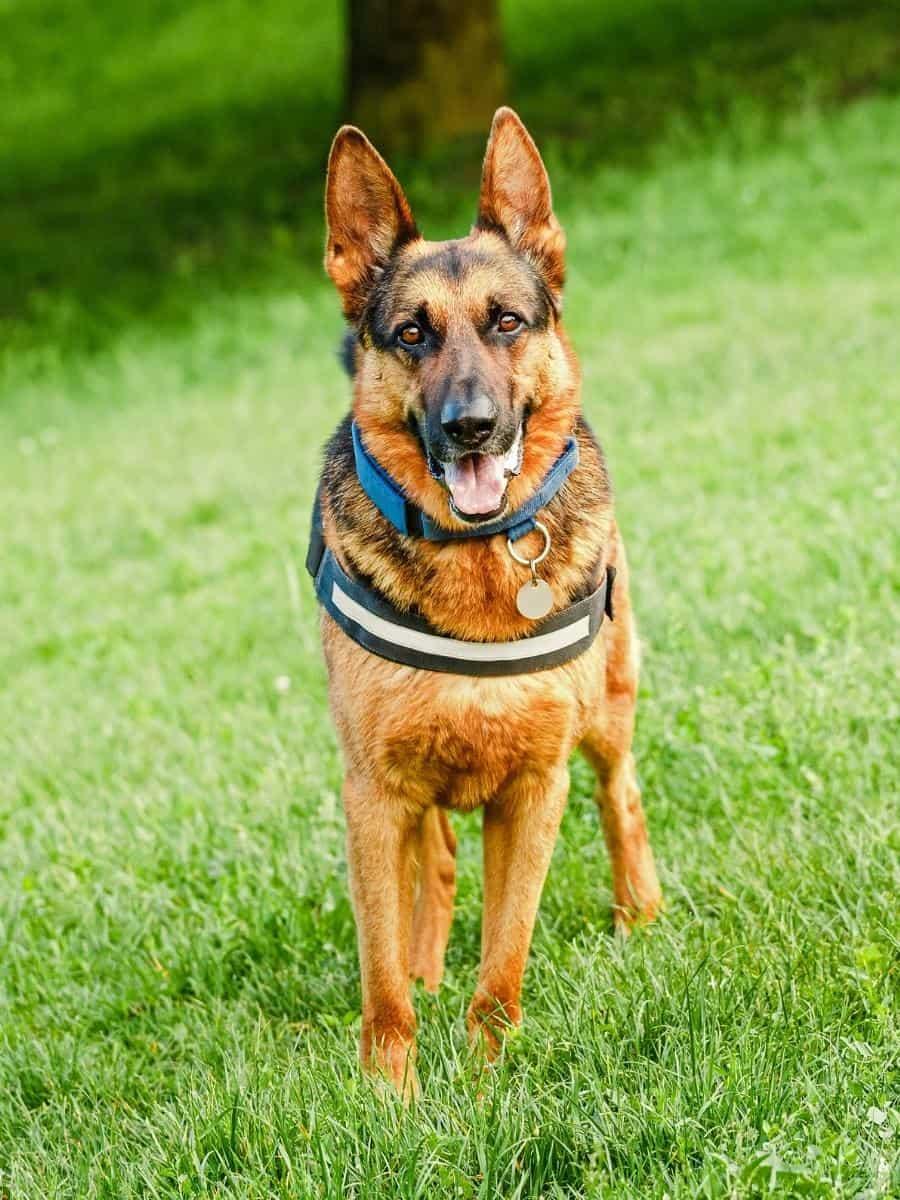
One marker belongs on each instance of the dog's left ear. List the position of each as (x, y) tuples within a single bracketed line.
[(515, 197), (368, 217)]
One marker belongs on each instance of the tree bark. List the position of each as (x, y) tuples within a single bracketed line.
[(419, 74)]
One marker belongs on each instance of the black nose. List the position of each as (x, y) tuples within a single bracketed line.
[(468, 422)]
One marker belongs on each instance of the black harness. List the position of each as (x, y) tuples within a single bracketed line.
[(373, 622)]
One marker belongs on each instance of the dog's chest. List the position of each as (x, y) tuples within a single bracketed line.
[(471, 738), (460, 742)]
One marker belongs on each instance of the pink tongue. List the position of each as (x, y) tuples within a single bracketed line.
[(477, 483)]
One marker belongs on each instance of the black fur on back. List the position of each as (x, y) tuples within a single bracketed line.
[(347, 352)]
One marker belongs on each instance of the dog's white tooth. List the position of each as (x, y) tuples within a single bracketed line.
[(511, 458)]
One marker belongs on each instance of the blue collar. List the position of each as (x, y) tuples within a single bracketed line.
[(390, 500)]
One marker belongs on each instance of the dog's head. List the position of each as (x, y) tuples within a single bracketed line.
[(459, 342)]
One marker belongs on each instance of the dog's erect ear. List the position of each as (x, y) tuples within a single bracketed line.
[(367, 214), (515, 197)]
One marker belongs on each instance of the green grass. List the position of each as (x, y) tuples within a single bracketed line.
[(178, 978)]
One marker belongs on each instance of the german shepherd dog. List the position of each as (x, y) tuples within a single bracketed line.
[(466, 390)]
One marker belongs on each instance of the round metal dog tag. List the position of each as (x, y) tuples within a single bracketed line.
[(534, 599)]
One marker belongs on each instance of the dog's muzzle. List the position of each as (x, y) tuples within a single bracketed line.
[(477, 481)]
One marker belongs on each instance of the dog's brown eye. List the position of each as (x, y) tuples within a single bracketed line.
[(411, 335), (509, 322)]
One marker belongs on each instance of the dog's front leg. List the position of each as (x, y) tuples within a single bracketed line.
[(520, 830), (380, 839)]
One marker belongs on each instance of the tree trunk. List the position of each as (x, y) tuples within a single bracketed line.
[(422, 73)]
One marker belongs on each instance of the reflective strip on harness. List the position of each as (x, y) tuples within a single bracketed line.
[(375, 624), (447, 647)]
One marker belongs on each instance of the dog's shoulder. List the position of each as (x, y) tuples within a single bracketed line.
[(339, 488), (339, 468), (591, 456), (338, 457)]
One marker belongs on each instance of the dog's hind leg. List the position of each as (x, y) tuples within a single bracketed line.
[(636, 892), (607, 746), (436, 888)]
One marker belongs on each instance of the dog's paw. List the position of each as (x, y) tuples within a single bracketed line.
[(627, 918)]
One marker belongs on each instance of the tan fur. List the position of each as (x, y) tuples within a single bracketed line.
[(417, 743)]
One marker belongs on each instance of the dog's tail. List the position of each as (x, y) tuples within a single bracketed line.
[(347, 352)]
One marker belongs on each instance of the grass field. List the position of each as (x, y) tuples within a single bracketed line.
[(178, 977)]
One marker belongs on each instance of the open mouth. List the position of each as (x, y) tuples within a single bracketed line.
[(477, 483)]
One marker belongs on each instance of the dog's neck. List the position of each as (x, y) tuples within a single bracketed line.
[(468, 588)]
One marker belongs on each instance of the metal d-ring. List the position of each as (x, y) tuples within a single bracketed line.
[(531, 562)]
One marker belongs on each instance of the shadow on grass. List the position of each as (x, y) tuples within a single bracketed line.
[(224, 193), (230, 194)]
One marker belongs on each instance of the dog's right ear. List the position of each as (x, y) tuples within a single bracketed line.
[(368, 217)]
